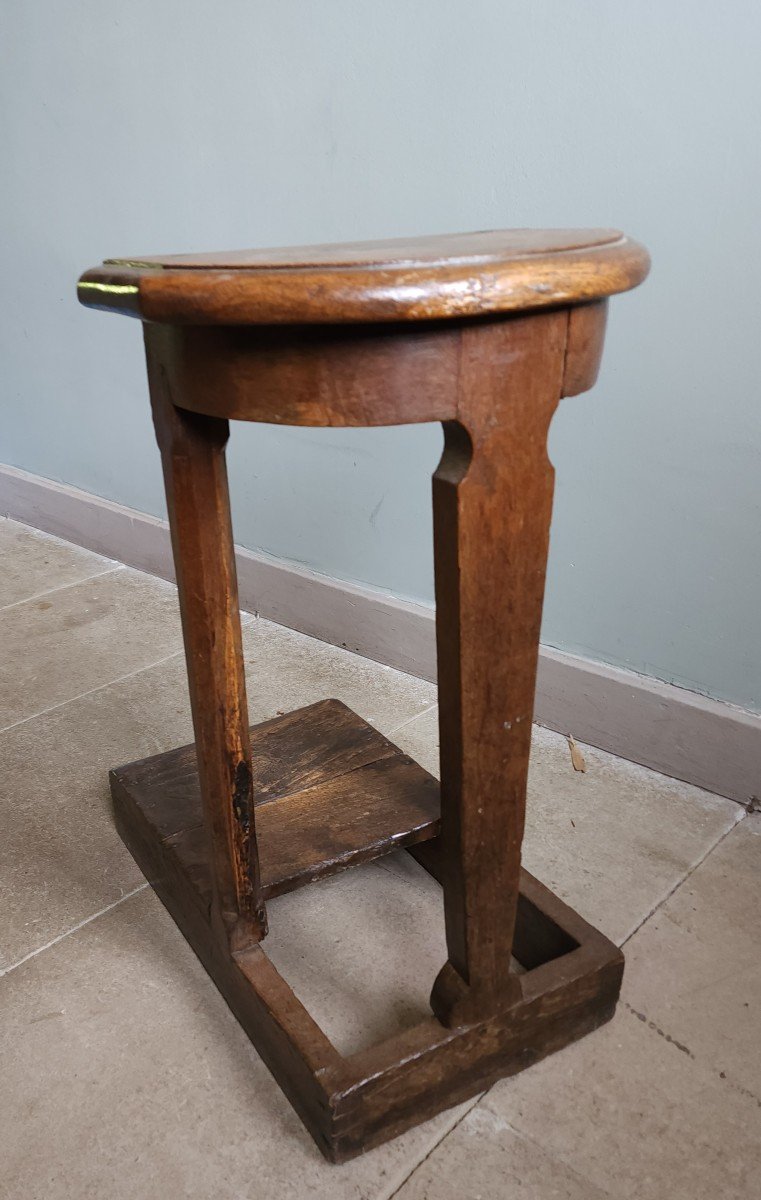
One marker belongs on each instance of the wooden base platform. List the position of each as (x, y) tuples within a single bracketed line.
[(331, 793)]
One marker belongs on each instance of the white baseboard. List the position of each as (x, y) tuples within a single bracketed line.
[(682, 734)]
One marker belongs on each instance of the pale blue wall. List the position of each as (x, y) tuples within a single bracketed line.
[(169, 125)]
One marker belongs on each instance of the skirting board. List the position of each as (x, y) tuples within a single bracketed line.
[(680, 733)]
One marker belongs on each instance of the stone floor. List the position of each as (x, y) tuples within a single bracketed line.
[(123, 1073)]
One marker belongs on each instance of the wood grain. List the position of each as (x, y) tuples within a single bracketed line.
[(492, 503), (484, 333), (330, 792), (392, 374), (585, 338), (316, 375), (457, 275), (195, 477)]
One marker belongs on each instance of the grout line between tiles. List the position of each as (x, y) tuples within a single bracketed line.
[(555, 1157), (62, 587), (685, 877), (409, 720), (479, 1098), (62, 936), (434, 1148), (90, 692), (382, 866)]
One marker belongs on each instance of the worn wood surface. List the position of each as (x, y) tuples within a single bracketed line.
[(317, 375), (195, 477), (492, 502), (456, 275), (330, 792), (349, 376), (584, 344), (484, 333)]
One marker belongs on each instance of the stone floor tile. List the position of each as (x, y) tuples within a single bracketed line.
[(694, 969), (35, 563), (637, 1116), (61, 859), (615, 840), (612, 841), (484, 1159), (125, 1075), (80, 637), (286, 669), (320, 937)]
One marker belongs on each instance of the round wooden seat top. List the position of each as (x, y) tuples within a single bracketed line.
[(409, 279)]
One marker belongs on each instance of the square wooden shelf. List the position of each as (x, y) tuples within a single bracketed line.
[(331, 792)]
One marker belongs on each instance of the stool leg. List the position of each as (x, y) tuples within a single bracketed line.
[(195, 476), (492, 500)]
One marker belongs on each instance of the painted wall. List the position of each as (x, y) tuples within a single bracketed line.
[(170, 125)]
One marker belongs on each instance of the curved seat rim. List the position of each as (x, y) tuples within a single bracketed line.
[(185, 290)]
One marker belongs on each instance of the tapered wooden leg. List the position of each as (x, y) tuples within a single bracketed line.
[(193, 457), (492, 496)]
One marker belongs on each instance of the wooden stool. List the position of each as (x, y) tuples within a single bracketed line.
[(484, 332)]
